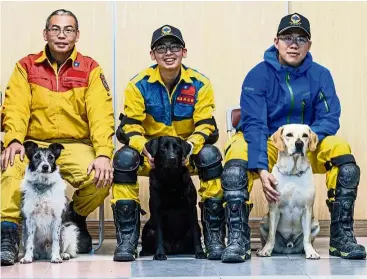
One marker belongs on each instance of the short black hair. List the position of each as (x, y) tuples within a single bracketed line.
[(61, 12)]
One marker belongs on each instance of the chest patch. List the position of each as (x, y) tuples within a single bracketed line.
[(187, 95)]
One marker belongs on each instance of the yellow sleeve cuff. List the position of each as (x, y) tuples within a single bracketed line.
[(104, 151), (198, 141), (9, 136), (138, 143)]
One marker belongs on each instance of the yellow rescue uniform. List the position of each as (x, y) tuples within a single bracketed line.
[(70, 105), (150, 111)]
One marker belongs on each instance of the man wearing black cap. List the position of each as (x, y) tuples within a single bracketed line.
[(288, 87), (167, 99)]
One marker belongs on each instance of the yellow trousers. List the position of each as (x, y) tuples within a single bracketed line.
[(73, 162), (330, 147), (208, 189)]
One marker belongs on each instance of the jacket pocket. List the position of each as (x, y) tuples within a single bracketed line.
[(183, 110), (74, 82), (155, 110)]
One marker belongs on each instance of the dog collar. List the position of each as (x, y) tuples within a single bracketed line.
[(296, 174)]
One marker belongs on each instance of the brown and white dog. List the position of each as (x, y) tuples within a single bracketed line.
[(290, 227)]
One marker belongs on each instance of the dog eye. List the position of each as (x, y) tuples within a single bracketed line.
[(305, 136), (37, 156), (289, 135), (50, 157)]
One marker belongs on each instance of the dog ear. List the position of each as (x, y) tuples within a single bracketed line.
[(30, 148), (186, 148), (152, 146), (278, 140), (314, 140), (56, 149)]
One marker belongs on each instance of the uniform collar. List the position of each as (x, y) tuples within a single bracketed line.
[(44, 56), (156, 76)]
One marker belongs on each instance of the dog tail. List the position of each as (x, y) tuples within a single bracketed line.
[(69, 239)]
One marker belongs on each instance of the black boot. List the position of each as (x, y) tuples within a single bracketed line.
[(235, 193), (9, 244), (238, 246), (212, 218), (342, 240), (84, 238), (126, 214)]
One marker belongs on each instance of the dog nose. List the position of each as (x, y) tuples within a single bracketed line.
[(171, 160), (45, 167), (299, 145)]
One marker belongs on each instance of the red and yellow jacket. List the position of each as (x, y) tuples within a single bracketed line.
[(150, 111), (69, 104)]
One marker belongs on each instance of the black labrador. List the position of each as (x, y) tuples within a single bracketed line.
[(173, 226)]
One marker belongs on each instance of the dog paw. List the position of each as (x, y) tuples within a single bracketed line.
[(264, 252), (200, 255), (26, 260), (160, 257), (65, 256), (312, 255), (56, 259)]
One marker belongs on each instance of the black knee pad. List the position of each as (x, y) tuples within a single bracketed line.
[(348, 176), (235, 181), (209, 162), (126, 163)]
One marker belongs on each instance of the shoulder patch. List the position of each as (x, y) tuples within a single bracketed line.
[(104, 82)]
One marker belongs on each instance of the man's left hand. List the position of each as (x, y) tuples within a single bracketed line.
[(103, 171)]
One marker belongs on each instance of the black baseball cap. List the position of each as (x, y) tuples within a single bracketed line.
[(165, 31), (294, 21)]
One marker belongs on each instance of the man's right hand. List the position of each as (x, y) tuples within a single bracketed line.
[(150, 158), (269, 182), (9, 154)]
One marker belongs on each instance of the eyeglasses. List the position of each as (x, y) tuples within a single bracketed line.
[(289, 39), (161, 49), (68, 31)]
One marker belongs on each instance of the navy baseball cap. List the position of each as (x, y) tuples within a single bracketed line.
[(294, 21), (165, 31)]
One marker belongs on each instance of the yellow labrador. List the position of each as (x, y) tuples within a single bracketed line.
[(290, 227)]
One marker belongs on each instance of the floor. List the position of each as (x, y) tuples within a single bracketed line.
[(100, 265)]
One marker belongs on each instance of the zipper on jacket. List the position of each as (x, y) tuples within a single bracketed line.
[(322, 98), (57, 73), (287, 78), (303, 111)]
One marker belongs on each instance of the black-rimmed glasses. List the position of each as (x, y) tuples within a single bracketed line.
[(289, 39), (161, 49), (68, 31)]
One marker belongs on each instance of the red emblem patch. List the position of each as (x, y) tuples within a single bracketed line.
[(185, 99), (104, 82), (188, 90)]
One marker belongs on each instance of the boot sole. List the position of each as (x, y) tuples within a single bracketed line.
[(359, 255), (214, 256), (235, 258), (124, 258), (7, 263)]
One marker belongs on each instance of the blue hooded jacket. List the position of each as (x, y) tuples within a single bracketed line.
[(274, 95)]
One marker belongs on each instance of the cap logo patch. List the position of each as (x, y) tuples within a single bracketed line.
[(295, 20), (166, 30)]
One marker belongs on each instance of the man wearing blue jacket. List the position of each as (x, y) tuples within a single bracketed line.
[(288, 87)]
